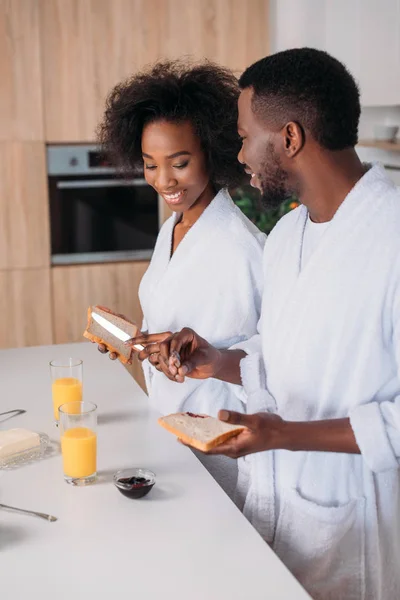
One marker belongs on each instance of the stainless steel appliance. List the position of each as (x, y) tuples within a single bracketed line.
[(96, 213)]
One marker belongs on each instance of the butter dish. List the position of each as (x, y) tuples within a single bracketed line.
[(21, 446)]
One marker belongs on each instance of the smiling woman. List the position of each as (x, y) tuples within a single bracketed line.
[(178, 121)]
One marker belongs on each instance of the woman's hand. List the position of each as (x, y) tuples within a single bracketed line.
[(180, 354), (151, 350)]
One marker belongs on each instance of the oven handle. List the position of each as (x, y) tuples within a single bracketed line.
[(99, 183)]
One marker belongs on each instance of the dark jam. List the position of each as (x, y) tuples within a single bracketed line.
[(196, 416), (135, 487)]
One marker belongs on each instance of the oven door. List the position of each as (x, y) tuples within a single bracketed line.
[(102, 218)]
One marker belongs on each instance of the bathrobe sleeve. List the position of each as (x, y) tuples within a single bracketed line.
[(376, 425)]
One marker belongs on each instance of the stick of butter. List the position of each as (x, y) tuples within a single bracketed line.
[(17, 440)]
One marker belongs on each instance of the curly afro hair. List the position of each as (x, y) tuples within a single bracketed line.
[(311, 87), (205, 94)]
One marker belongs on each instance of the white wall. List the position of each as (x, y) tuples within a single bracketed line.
[(363, 34)]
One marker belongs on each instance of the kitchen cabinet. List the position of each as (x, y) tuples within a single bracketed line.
[(21, 107), (363, 34), (90, 45), (76, 287), (25, 308), (24, 220)]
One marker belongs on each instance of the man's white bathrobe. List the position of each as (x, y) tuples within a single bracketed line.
[(329, 347), (212, 283)]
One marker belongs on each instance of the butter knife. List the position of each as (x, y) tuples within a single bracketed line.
[(114, 330)]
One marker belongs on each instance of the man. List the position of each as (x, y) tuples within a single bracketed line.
[(321, 481)]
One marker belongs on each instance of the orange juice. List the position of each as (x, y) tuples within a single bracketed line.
[(65, 389), (78, 449)]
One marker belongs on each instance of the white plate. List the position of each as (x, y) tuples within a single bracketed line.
[(26, 456)]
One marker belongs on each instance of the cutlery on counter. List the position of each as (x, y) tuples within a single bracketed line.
[(12, 413), (30, 512)]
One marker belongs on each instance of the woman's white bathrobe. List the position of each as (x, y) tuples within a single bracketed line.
[(212, 283), (329, 347)]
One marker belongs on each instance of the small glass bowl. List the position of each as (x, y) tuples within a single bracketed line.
[(134, 489)]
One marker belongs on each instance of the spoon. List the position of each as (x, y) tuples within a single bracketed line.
[(30, 512)]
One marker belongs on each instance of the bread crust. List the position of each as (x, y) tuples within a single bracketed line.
[(98, 340), (197, 444)]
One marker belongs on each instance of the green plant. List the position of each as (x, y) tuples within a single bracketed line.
[(248, 200)]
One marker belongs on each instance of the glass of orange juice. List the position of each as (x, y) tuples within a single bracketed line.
[(66, 376), (78, 423)]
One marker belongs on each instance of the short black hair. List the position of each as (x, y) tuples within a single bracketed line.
[(311, 87), (205, 94)]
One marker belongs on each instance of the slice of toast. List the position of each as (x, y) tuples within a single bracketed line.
[(96, 333), (199, 431)]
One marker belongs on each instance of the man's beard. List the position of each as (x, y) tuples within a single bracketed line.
[(273, 181)]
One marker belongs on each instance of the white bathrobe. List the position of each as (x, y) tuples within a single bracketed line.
[(329, 347), (212, 283)]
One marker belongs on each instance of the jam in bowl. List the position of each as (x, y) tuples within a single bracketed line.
[(134, 483)]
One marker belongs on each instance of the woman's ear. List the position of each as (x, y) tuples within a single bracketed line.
[(293, 138)]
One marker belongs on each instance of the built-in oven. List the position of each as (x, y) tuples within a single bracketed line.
[(96, 213)]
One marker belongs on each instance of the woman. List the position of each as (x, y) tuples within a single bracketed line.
[(178, 121)]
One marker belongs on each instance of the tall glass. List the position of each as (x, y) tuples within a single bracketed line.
[(78, 423), (66, 377)]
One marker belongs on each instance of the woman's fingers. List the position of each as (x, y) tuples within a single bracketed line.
[(148, 351), (148, 338), (103, 349)]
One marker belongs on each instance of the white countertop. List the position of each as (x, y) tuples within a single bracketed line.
[(186, 539)]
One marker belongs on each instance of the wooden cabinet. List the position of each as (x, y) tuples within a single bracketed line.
[(21, 107), (25, 308), (90, 45), (74, 288), (231, 32), (24, 220)]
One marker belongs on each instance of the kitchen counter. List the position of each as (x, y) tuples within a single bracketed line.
[(186, 539)]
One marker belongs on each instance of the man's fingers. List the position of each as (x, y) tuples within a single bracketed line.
[(113, 355), (234, 447), (102, 348), (235, 418)]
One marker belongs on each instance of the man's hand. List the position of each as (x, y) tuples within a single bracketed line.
[(263, 432), (266, 431)]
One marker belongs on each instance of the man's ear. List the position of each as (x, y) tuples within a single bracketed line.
[(293, 138)]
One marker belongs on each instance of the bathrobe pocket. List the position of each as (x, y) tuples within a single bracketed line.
[(324, 547)]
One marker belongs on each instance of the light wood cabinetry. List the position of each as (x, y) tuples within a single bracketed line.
[(74, 288), (90, 45), (21, 108), (24, 220), (25, 308)]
